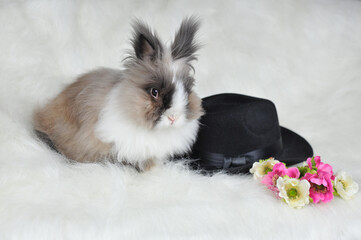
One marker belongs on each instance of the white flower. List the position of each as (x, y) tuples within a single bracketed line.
[(345, 186), (293, 191), (259, 169)]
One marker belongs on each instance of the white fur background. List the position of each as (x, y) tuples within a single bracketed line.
[(303, 55)]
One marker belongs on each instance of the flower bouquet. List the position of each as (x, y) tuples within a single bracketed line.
[(298, 186)]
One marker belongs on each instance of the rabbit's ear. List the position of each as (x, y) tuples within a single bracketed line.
[(184, 45), (146, 44)]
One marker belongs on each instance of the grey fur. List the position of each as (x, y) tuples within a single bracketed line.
[(142, 75), (145, 42), (184, 45)]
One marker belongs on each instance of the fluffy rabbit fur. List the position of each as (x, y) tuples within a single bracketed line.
[(140, 115)]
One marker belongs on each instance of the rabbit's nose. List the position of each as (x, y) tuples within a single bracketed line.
[(172, 119)]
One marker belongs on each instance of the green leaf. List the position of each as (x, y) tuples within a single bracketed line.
[(313, 163), (303, 171), (335, 193)]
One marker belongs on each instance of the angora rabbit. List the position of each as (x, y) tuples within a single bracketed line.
[(141, 115)]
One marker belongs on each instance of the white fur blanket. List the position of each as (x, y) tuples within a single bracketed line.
[(303, 55)]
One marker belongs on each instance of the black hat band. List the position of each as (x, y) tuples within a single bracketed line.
[(219, 161)]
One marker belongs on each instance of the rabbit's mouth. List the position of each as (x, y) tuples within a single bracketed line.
[(171, 120)]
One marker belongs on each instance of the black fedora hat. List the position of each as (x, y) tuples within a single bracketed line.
[(238, 130)]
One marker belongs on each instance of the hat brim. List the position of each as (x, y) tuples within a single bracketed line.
[(295, 150)]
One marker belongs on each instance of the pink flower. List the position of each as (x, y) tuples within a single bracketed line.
[(293, 172), (278, 170), (317, 161), (321, 186), (323, 168)]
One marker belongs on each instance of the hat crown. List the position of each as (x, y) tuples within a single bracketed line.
[(235, 124)]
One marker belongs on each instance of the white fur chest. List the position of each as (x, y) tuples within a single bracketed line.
[(137, 144)]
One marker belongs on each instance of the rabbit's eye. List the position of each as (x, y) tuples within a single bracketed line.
[(154, 92)]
